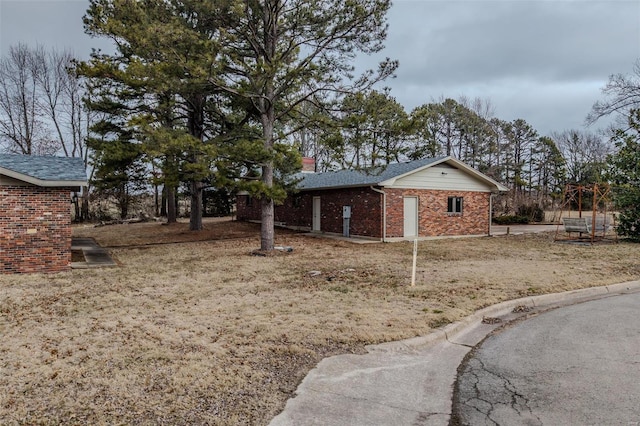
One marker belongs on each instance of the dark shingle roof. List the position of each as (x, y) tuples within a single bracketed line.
[(45, 168), (352, 178)]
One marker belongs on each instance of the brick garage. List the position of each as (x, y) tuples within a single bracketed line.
[(297, 210), (434, 220), (450, 199), (35, 213)]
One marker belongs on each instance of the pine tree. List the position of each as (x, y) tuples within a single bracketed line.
[(624, 174), (165, 54), (280, 54)]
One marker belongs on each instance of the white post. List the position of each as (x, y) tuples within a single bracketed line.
[(415, 259)]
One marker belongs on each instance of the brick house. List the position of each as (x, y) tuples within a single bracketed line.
[(423, 198), (35, 211)]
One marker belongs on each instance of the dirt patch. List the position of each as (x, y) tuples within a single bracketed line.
[(77, 256), (193, 329)]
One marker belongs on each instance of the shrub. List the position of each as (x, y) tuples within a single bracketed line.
[(511, 220), (531, 211)]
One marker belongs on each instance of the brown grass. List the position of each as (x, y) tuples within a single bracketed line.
[(205, 333)]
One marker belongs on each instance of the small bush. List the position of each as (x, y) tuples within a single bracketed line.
[(532, 211), (511, 220)]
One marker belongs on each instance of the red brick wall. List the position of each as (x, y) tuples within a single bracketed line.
[(297, 210), (247, 208), (35, 229), (433, 219), (366, 212)]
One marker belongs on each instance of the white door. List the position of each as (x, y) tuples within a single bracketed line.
[(410, 216), (315, 223)]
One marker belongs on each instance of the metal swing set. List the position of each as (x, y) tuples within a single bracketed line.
[(597, 227)]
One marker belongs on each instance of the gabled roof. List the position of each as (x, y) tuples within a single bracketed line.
[(44, 170), (385, 175)]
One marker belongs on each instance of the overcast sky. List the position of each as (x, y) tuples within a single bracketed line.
[(544, 61)]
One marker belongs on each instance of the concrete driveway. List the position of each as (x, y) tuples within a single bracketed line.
[(579, 365)]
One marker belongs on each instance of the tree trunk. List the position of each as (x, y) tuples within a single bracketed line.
[(195, 123), (268, 119), (84, 213), (163, 202), (267, 230), (195, 219), (172, 216), (156, 199)]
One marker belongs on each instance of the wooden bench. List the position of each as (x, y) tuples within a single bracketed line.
[(576, 224), (602, 225)]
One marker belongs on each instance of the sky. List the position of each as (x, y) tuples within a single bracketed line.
[(544, 61)]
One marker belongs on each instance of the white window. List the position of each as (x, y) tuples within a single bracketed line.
[(454, 205)]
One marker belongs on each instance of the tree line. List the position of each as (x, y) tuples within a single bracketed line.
[(229, 95), (372, 129)]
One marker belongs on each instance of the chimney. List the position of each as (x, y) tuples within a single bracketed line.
[(308, 165)]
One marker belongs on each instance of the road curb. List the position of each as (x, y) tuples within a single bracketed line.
[(503, 308)]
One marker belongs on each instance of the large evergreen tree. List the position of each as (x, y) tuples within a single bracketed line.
[(279, 54), (268, 57), (165, 54), (624, 174)]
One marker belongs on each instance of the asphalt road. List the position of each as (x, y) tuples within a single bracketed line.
[(576, 365)]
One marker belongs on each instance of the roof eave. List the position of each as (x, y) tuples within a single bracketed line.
[(322, 188), (41, 182), (63, 183), (495, 186)]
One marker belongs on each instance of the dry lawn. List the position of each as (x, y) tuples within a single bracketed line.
[(195, 333)]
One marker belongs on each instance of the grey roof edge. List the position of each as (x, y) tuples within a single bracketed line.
[(350, 178), (389, 180), (45, 171), (325, 188), (41, 182)]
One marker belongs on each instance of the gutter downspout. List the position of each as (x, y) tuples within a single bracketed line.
[(384, 212)]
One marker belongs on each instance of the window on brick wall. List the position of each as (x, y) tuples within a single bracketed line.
[(454, 205), (249, 201), (297, 201)]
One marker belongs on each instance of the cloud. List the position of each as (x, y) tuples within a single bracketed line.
[(51, 23), (489, 41), (543, 61)]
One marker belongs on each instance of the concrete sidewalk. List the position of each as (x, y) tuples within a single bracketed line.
[(496, 230), (523, 229), (94, 255), (411, 382)]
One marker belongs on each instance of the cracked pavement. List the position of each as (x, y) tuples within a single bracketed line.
[(573, 365), (520, 374)]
